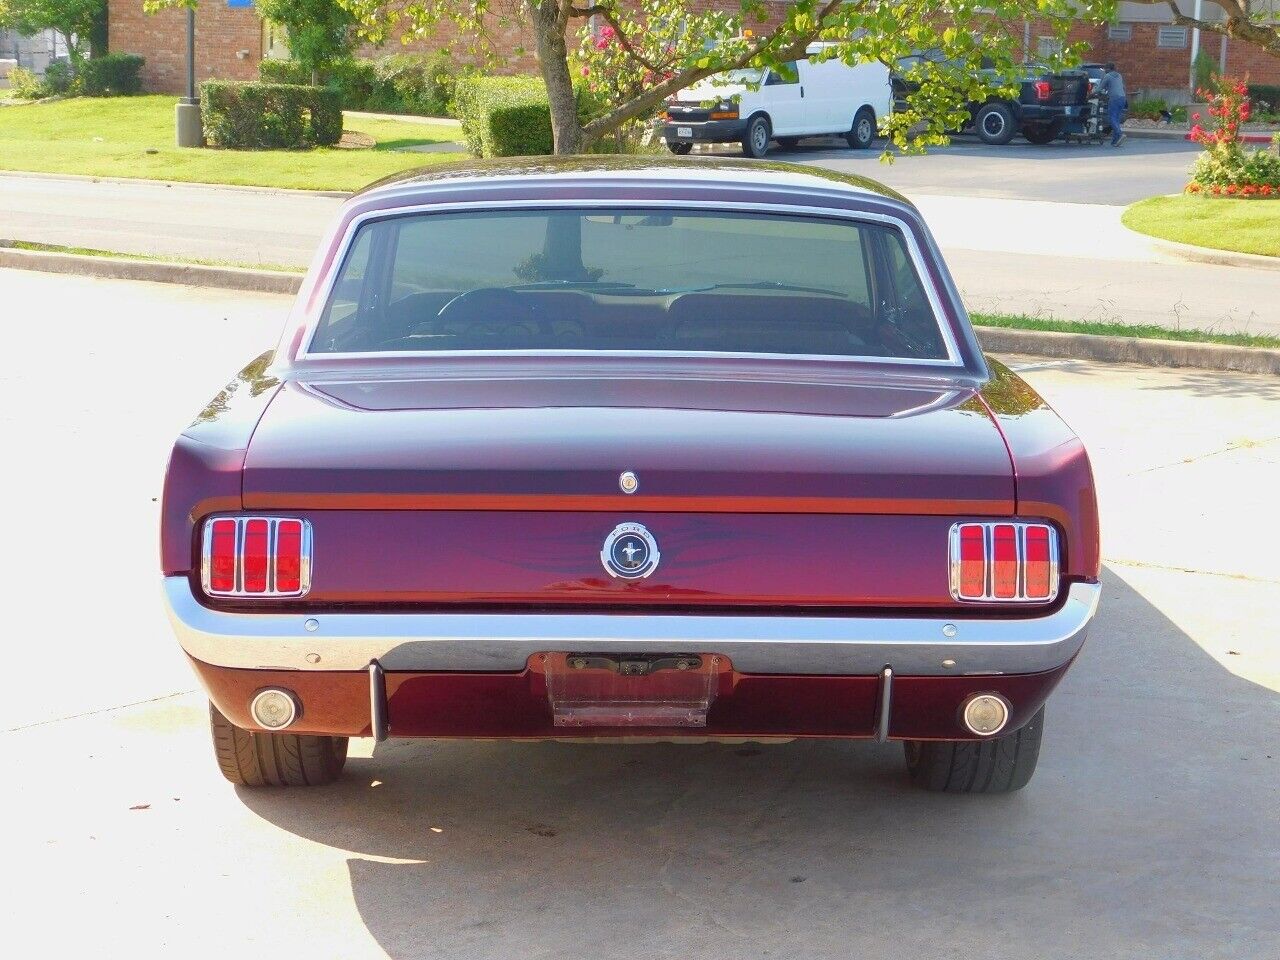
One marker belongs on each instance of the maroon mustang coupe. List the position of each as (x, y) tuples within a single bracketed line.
[(602, 447)]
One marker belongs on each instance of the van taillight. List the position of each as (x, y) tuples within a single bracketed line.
[(1043, 89), (1004, 562), (256, 557)]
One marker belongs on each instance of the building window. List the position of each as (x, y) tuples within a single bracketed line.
[(1122, 32), (1048, 46), (1172, 37)]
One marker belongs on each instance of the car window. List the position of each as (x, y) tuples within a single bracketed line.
[(626, 279), (785, 73)]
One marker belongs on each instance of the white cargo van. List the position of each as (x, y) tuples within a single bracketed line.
[(755, 107)]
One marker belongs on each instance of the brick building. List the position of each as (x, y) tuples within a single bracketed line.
[(1153, 53)]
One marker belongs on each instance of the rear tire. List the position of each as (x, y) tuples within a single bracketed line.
[(680, 149), (755, 140), (994, 124), (251, 759), (999, 765), (863, 131)]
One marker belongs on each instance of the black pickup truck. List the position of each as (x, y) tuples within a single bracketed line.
[(1050, 104)]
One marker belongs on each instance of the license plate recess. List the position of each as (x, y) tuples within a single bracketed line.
[(641, 690)]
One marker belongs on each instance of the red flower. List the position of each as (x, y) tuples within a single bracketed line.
[(607, 33), (1215, 189), (586, 71), (1265, 189), (1231, 188), (1195, 116), (1193, 187)]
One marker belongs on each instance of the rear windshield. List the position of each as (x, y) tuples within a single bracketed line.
[(645, 280)]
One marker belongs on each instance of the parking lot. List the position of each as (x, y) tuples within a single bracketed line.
[(1152, 829)]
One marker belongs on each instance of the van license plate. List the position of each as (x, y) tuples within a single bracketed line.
[(684, 131)]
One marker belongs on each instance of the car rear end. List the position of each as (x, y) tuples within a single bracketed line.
[(615, 521)]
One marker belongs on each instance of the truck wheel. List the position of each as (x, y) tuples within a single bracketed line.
[(999, 765), (1040, 134), (994, 124), (679, 149), (755, 141), (252, 759), (863, 130)]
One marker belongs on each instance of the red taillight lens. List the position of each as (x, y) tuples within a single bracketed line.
[(973, 560), (1004, 562), (1004, 569), (1036, 563), (288, 556), (222, 556), (256, 557), (1043, 89)]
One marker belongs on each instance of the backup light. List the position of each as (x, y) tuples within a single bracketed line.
[(986, 714), (1004, 562), (274, 709), (256, 557)]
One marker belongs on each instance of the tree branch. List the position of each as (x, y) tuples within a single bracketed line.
[(599, 9), (1238, 24)]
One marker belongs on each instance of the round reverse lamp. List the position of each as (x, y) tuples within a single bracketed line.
[(986, 714), (274, 709)]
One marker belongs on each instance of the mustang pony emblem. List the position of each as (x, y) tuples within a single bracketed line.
[(630, 552)]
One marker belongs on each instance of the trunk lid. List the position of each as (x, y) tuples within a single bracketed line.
[(503, 490)]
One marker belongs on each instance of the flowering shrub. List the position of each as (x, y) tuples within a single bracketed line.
[(1227, 168)]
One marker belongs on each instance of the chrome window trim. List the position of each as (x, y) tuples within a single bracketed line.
[(953, 360), (273, 527), (945, 643), (988, 588)]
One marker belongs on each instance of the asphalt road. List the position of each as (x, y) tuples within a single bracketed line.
[(1152, 829), (1057, 172)]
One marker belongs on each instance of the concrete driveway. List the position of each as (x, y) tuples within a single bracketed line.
[(1152, 829)]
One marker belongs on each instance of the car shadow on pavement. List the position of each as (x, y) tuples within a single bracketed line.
[(1150, 830)]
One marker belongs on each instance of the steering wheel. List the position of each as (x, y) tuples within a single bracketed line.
[(503, 305)]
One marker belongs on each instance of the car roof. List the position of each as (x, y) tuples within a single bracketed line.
[(648, 171)]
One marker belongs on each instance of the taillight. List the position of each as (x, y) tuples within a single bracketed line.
[(256, 557), (1043, 89), (1004, 562)]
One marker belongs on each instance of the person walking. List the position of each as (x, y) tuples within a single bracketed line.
[(1111, 86)]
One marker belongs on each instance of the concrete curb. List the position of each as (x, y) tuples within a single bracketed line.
[(1151, 353), (117, 268), (1225, 258), (1075, 346), (150, 181)]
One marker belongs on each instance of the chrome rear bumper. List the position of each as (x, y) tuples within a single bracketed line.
[(763, 643)]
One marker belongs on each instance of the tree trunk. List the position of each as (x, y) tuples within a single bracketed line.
[(553, 58)]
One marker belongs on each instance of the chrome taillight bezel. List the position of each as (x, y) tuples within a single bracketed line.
[(305, 559), (988, 580)]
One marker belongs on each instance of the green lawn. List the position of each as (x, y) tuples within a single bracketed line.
[(1245, 226), (133, 137), (1146, 330)]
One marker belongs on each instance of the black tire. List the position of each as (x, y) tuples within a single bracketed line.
[(863, 132), (994, 124), (679, 149), (1041, 134), (755, 139), (788, 143), (251, 759), (1000, 765)]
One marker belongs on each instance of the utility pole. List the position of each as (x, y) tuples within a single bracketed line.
[(189, 131), (1195, 52)]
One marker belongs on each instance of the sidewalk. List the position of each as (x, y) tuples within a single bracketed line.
[(1074, 261)]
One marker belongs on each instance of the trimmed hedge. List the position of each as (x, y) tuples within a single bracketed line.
[(1266, 93), (504, 116), (413, 83), (113, 75), (266, 115)]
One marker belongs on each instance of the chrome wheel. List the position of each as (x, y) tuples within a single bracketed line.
[(993, 125)]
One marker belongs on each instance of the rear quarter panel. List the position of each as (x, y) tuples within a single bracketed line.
[(1053, 477)]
